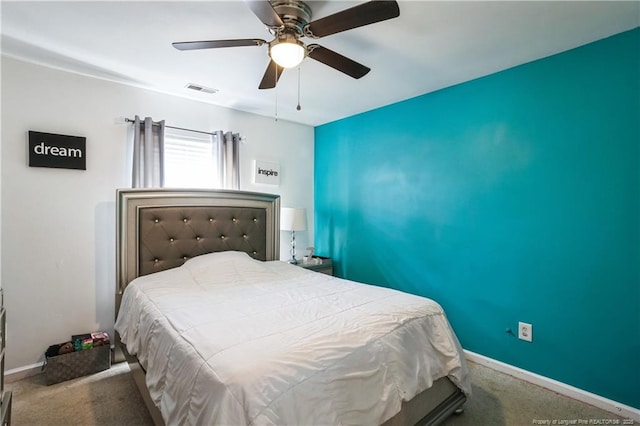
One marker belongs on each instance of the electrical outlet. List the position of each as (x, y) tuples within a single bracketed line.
[(525, 331)]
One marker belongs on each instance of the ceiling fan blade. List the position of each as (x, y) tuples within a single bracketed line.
[(337, 61), (357, 16), (271, 76), (265, 13), (213, 44)]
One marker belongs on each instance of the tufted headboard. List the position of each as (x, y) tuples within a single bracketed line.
[(159, 229)]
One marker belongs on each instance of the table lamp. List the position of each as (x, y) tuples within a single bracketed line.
[(293, 219)]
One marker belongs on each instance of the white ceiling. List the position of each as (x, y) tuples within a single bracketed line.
[(431, 45)]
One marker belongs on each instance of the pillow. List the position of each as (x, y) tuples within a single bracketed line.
[(217, 257)]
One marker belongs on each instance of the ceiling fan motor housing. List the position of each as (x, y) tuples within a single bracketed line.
[(294, 14)]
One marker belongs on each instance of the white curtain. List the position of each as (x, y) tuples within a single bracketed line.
[(229, 155), (148, 153)]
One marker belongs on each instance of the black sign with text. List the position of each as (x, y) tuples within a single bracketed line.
[(57, 151)]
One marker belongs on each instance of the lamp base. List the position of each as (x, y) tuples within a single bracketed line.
[(293, 261)]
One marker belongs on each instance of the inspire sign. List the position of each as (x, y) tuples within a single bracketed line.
[(266, 172), (57, 151)]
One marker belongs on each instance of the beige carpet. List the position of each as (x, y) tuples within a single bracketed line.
[(110, 398), (499, 399)]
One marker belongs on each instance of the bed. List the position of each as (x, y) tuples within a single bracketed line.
[(217, 331)]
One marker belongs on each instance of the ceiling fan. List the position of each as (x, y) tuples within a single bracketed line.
[(290, 20)]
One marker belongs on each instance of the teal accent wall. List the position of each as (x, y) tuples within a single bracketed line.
[(513, 197)]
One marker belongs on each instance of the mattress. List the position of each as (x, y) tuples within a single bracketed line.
[(226, 339)]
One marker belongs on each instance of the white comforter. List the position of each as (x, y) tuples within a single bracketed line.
[(229, 340)]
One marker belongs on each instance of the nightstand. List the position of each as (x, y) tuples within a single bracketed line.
[(326, 267)]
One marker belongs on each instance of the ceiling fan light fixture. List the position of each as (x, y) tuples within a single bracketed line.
[(287, 53)]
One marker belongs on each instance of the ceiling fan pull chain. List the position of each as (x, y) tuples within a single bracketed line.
[(298, 107), (276, 90)]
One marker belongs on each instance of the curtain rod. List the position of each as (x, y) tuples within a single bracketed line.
[(128, 120)]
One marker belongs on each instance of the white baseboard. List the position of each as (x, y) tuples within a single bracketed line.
[(20, 373), (556, 386)]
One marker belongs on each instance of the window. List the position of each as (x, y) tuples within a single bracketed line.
[(191, 160), (188, 159)]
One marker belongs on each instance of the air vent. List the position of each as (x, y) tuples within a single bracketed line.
[(199, 88)]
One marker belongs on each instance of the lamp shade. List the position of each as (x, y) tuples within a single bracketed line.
[(287, 53), (293, 219)]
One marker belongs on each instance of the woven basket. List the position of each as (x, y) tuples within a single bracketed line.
[(75, 364)]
